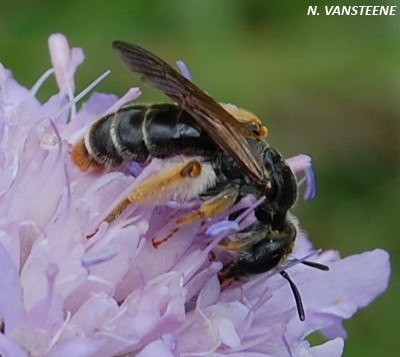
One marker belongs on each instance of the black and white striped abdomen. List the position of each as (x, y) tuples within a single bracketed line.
[(137, 132)]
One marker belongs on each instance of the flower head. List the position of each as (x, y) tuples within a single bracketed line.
[(74, 286)]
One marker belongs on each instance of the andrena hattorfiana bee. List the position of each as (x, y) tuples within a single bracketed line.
[(222, 157)]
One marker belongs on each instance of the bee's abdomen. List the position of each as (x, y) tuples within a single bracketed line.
[(99, 144), (127, 133), (172, 131), (137, 132)]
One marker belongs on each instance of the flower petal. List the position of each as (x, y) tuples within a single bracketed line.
[(11, 307)]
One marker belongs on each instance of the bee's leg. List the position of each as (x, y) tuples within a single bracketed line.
[(159, 188), (209, 209), (213, 206)]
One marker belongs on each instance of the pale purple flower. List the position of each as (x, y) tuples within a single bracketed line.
[(71, 285)]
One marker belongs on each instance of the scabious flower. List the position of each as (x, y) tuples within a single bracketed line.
[(72, 285)]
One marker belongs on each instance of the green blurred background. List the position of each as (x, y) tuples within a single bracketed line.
[(327, 86)]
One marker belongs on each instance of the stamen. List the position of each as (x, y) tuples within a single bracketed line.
[(51, 274), (59, 141), (74, 100), (91, 86), (302, 163), (35, 88), (129, 96), (69, 194), (184, 70), (287, 345), (311, 191), (135, 168), (65, 61), (60, 57), (250, 209), (57, 335), (102, 257), (224, 227)]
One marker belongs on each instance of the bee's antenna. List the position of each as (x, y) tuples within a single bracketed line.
[(297, 297), (315, 265)]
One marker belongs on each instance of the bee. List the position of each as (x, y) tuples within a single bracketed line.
[(216, 151)]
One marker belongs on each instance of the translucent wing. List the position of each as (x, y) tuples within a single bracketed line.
[(228, 133)]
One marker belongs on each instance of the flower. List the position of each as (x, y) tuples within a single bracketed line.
[(74, 286)]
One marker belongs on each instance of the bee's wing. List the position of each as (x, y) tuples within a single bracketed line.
[(222, 127)]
